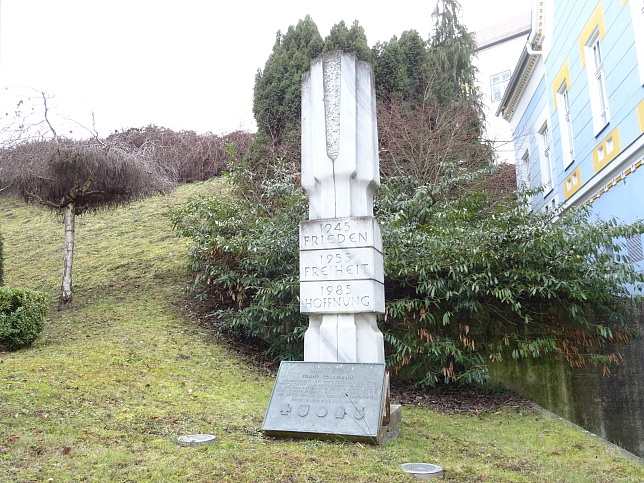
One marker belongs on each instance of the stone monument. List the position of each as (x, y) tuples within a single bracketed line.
[(341, 389), (341, 272)]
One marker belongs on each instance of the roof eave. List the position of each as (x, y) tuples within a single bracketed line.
[(512, 92)]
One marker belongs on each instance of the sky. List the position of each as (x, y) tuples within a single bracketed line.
[(184, 65)]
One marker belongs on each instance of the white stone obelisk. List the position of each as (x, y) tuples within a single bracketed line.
[(341, 269)]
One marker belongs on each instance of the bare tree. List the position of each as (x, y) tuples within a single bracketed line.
[(74, 177), (416, 140), (184, 156)]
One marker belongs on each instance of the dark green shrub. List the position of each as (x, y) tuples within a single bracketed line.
[(469, 279), (473, 279), (244, 258), (22, 316)]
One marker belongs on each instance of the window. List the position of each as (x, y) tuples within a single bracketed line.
[(601, 82), (634, 248), (573, 180), (637, 17), (597, 82), (565, 125), (551, 205), (524, 170), (545, 158), (498, 83), (607, 150), (600, 154)]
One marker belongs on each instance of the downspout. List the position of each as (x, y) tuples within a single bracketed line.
[(536, 29), (530, 50)]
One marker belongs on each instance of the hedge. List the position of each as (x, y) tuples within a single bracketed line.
[(22, 316)]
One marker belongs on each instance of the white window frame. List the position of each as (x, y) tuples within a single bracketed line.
[(637, 20), (552, 206), (499, 81), (597, 82), (565, 125), (524, 170), (634, 249), (545, 159)]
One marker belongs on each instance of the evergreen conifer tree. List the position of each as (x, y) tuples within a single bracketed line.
[(452, 49), (352, 40), (401, 68), (278, 87)]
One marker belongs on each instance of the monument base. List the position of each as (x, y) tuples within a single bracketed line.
[(324, 400), (392, 429)]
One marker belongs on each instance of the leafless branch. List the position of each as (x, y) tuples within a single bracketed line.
[(183, 156), (46, 115), (419, 141)]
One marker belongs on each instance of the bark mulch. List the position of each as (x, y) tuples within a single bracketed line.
[(454, 399)]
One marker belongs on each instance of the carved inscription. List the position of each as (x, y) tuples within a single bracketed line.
[(353, 232), (342, 264), (311, 389), (341, 298), (328, 398), (341, 267)]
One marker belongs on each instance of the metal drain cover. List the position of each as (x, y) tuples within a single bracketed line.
[(197, 439), (422, 471)]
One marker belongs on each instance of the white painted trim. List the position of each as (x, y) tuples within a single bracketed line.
[(637, 20), (625, 160), (598, 94), (566, 133), (543, 121)]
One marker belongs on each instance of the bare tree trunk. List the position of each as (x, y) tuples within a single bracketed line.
[(68, 254)]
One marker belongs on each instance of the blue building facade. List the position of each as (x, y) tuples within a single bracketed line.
[(576, 106)]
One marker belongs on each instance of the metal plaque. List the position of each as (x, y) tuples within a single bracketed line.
[(327, 400)]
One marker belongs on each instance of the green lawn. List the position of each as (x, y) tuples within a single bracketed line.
[(104, 394)]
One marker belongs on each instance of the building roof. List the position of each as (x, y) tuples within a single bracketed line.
[(502, 31), (526, 64)]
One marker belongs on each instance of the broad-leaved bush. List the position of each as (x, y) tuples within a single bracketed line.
[(475, 279), (244, 257), (469, 279)]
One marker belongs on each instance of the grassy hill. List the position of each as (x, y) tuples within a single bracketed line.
[(104, 394)]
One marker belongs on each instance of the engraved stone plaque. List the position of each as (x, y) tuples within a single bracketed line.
[(326, 400), (334, 233), (347, 297), (341, 264)]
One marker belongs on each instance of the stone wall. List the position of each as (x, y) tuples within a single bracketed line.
[(610, 406)]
